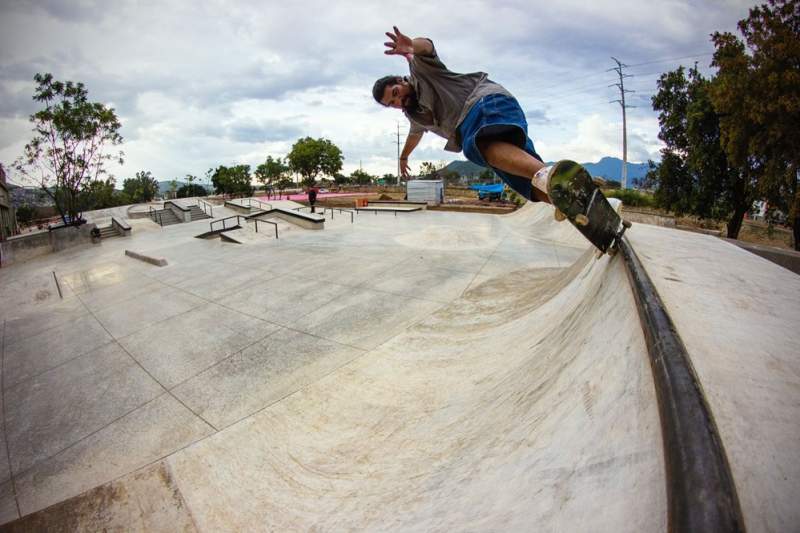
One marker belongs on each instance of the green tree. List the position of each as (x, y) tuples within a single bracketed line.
[(142, 188), (68, 149), (232, 180), (340, 179), (191, 190), (100, 194), (173, 188), (283, 184), (428, 169), (312, 157), (361, 177), (271, 171), (487, 176), (694, 175), (756, 94), (25, 213)]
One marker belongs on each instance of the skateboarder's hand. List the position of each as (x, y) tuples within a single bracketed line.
[(405, 170), (399, 45)]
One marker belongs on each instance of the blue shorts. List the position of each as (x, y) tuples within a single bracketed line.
[(500, 117)]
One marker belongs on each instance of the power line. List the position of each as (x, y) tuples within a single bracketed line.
[(670, 59)]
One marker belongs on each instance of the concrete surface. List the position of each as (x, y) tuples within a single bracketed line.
[(430, 371)]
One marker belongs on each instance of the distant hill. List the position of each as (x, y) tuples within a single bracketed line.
[(609, 168), (465, 168)]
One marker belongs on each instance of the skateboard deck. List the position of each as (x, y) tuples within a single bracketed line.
[(572, 190)]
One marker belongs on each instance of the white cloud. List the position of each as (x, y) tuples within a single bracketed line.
[(198, 84)]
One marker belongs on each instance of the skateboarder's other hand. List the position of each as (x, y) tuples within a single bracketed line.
[(399, 45), (405, 170)]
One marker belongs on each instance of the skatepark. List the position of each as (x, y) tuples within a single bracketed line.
[(410, 371)]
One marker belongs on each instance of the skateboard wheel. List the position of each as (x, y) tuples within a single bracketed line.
[(626, 223), (581, 219)]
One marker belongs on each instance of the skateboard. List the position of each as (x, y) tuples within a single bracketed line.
[(572, 191)]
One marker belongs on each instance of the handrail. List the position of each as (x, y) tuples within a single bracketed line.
[(324, 208), (224, 226), (202, 203), (153, 214), (259, 202), (268, 222)]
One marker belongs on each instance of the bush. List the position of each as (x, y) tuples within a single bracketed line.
[(631, 198)]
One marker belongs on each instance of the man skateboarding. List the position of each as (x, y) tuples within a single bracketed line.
[(471, 111), (480, 117)]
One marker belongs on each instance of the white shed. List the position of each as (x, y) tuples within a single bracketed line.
[(431, 191)]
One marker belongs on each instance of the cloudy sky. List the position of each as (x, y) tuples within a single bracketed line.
[(202, 83)]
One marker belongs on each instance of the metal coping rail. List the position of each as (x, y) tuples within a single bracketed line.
[(701, 494), (224, 226)]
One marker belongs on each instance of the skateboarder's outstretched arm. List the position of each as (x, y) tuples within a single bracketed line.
[(406, 46)]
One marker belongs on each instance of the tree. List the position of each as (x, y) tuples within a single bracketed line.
[(756, 95), (694, 175), (190, 190), (25, 213), (142, 188), (68, 147), (340, 179), (428, 169), (487, 176), (173, 188), (271, 171), (312, 157), (100, 194), (232, 180), (361, 177), (283, 184)]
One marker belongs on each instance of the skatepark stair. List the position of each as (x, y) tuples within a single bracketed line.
[(198, 214), (108, 232), (164, 217)]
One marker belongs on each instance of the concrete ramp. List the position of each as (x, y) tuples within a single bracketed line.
[(447, 373), (528, 401)]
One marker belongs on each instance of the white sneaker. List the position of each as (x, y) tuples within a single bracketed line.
[(542, 178)]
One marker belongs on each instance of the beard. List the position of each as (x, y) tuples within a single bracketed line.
[(411, 104)]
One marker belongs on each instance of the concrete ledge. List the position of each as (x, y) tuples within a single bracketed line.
[(788, 259), (397, 203), (120, 226), (304, 220), (157, 261), (643, 217), (181, 211), (21, 248)]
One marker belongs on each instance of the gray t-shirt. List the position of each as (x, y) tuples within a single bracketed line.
[(445, 97)]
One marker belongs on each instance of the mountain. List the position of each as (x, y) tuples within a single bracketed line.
[(464, 168), (608, 168)]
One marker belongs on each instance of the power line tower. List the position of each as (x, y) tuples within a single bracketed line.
[(621, 102), (398, 152)]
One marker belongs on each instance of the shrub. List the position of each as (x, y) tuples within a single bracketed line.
[(631, 198)]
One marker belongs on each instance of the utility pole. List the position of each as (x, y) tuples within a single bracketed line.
[(621, 102), (398, 153), (397, 141)]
